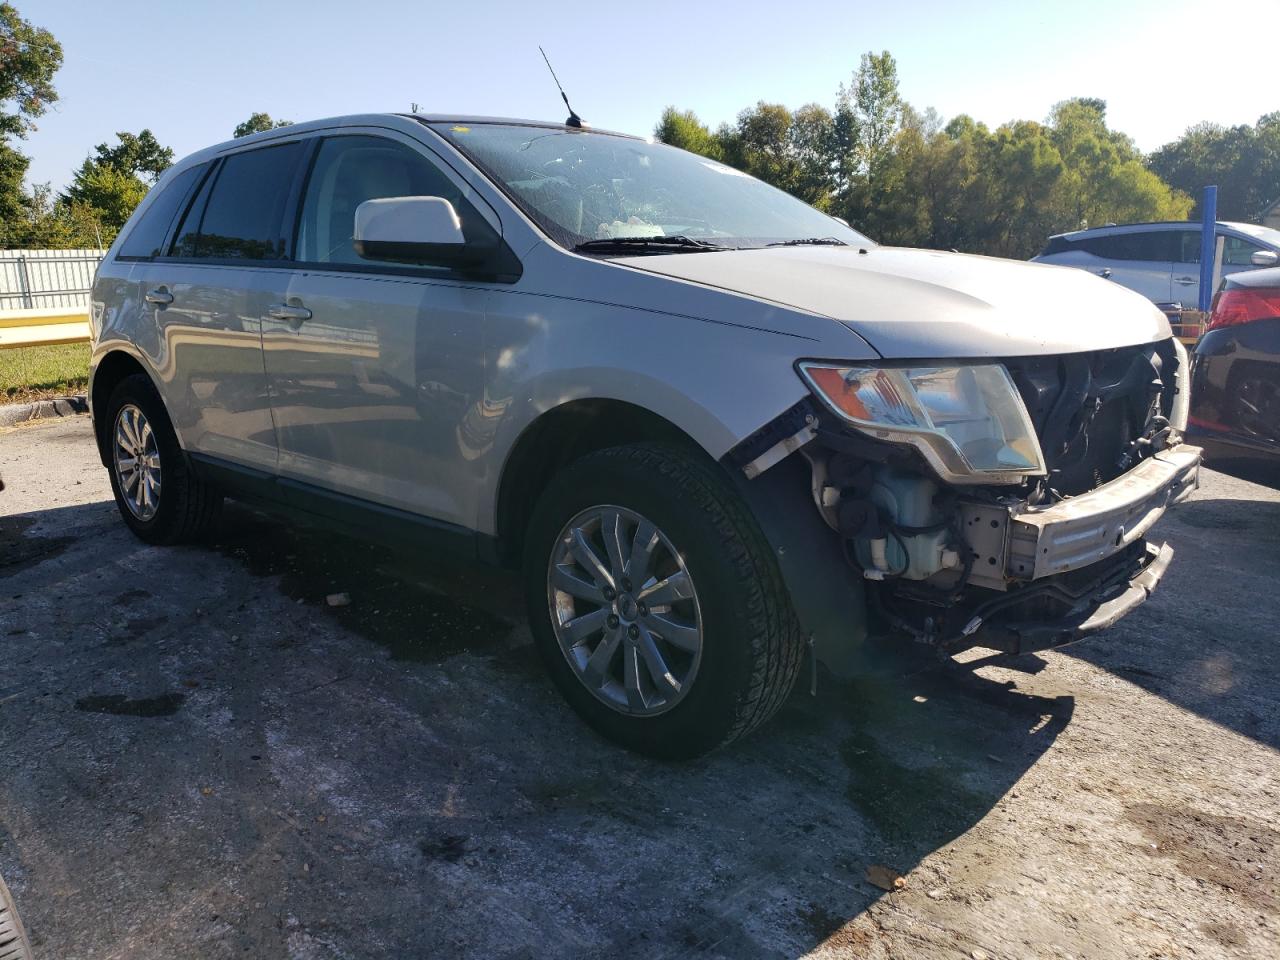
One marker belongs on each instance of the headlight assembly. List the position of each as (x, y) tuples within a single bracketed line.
[(969, 421)]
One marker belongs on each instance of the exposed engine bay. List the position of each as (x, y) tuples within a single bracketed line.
[(1014, 567)]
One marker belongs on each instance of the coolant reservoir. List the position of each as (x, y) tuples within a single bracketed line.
[(908, 500)]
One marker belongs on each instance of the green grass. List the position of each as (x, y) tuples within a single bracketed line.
[(33, 373)]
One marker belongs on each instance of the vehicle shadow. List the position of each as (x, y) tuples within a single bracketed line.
[(460, 792), (1206, 640), (898, 761)]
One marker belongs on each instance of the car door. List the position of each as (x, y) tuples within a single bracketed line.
[(1237, 254), (372, 366), (211, 345), (1139, 260), (1186, 269)]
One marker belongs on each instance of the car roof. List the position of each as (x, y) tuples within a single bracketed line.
[(512, 122), (377, 119), (1147, 226)]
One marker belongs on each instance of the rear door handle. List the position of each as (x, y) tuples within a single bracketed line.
[(295, 313), (1185, 281), (160, 296)]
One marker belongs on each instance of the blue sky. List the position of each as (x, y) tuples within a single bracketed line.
[(192, 70)]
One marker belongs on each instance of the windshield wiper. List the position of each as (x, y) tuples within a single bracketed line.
[(677, 243), (809, 242)]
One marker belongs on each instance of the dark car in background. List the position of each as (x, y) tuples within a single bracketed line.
[(1235, 392)]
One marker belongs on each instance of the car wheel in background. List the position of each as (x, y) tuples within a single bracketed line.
[(13, 939), (656, 603), (159, 496)]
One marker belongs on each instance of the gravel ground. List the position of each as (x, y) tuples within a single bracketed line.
[(203, 759)]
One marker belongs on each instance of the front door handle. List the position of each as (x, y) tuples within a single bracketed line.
[(1185, 281), (160, 296), (295, 313), (1105, 273)]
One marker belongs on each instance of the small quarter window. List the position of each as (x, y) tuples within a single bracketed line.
[(147, 237)]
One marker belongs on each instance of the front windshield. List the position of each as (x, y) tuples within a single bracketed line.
[(582, 186)]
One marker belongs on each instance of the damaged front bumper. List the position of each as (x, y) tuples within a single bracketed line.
[(1056, 574), (1083, 609), (1015, 542)]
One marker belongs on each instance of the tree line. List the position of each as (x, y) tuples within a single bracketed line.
[(905, 177), (900, 174)]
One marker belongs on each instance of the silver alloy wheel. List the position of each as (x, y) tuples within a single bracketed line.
[(624, 610), (137, 462)]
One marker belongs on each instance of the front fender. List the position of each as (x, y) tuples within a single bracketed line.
[(828, 596)]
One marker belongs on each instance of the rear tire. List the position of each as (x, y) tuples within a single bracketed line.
[(162, 500), (745, 659)]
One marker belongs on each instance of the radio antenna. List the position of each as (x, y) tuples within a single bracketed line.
[(574, 120)]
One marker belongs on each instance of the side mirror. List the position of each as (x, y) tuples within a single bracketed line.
[(1264, 258), (414, 230)]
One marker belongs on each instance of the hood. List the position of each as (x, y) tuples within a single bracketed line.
[(925, 304)]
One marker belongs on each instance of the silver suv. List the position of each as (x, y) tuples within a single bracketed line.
[(722, 434), (1161, 261)]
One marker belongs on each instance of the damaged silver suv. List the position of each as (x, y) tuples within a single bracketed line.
[(719, 431)]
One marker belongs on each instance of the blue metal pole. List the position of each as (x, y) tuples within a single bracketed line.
[(1208, 245)]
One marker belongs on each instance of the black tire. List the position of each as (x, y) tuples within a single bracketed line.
[(13, 939), (188, 506), (752, 647)]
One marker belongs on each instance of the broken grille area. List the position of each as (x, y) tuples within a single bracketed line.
[(1097, 414)]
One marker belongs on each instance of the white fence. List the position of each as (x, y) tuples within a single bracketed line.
[(46, 279)]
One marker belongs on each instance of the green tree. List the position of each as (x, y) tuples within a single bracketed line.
[(258, 123), (45, 223), (868, 115), (139, 155), (29, 57), (13, 167), (112, 194), (683, 129), (113, 181), (907, 179), (1243, 161)]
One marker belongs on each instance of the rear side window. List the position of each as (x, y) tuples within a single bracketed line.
[(239, 215), (1156, 245), (147, 237)]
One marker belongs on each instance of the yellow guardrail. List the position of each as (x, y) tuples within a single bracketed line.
[(39, 328)]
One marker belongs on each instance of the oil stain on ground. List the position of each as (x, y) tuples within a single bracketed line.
[(165, 705), (421, 608), (1235, 854)]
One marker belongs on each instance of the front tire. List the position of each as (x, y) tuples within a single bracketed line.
[(656, 603), (162, 500)]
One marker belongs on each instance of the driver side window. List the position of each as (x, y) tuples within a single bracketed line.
[(347, 172)]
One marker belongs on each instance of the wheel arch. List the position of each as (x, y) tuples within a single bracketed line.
[(109, 369), (558, 437)]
